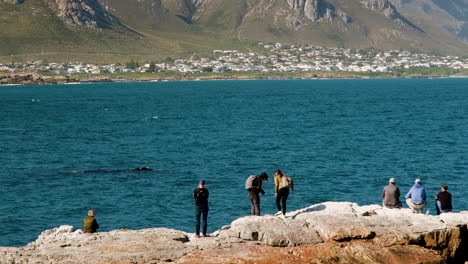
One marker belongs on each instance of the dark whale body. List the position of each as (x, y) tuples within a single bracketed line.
[(112, 171)]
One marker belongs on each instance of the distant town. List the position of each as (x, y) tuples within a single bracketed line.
[(275, 58)]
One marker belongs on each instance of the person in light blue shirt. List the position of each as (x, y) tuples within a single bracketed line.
[(416, 197)]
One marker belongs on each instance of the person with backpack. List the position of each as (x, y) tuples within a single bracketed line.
[(253, 185), (282, 184), (201, 195)]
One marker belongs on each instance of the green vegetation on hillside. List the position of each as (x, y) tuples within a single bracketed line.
[(402, 73), (150, 32), (42, 36)]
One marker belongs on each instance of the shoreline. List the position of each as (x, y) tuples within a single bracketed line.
[(34, 78), (329, 232)]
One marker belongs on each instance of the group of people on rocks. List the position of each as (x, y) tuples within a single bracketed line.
[(253, 185), (416, 197), (283, 183)]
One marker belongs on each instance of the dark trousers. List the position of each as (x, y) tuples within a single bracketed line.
[(255, 202), (282, 196), (201, 211)]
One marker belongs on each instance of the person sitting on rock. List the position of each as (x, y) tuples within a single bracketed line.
[(444, 200), (282, 184), (201, 195), (90, 225), (416, 197), (391, 195)]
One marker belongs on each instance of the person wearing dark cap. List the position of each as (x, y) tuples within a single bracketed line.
[(391, 195), (201, 195), (443, 200), (90, 225), (253, 185)]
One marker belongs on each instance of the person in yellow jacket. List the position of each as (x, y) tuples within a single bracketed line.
[(282, 185), (89, 223)]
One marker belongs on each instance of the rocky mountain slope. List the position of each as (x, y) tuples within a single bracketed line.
[(331, 232), (85, 13), (188, 26), (449, 15)]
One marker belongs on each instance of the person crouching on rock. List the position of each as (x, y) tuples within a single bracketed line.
[(416, 197), (89, 223), (282, 184), (201, 195), (253, 185), (391, 195)]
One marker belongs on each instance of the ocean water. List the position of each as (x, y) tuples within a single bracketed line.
[(340, 140)]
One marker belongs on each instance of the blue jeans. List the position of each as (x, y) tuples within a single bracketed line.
[(439, 205), (201, 211)]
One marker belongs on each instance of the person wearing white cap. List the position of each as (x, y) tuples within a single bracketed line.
[(416, 197), (391, 195)]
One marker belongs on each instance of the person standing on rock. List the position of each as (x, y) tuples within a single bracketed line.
[(444, 200), (391, 195), (201, 195), (416, 197), (282, 184), (253, 185), (90, 225)]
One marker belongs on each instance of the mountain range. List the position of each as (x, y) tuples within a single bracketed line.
[(110, 30)]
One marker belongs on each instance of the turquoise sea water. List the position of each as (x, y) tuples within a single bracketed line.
[(341, 140)]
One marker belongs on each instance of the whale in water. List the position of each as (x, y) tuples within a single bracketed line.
[(111, 171)]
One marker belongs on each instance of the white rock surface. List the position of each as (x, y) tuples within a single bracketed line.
[(339, 221), (327, 223)]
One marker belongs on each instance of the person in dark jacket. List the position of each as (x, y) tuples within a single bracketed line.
[(254, 188), (201, 194), (90, 225), (391, 195), (444, 200)]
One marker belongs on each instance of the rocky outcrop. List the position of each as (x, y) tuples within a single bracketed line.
[(389, 10), (383, 6), (197, 3), (331, 232), (83, 13), (33, 78), (13, 1), (316, 10)]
